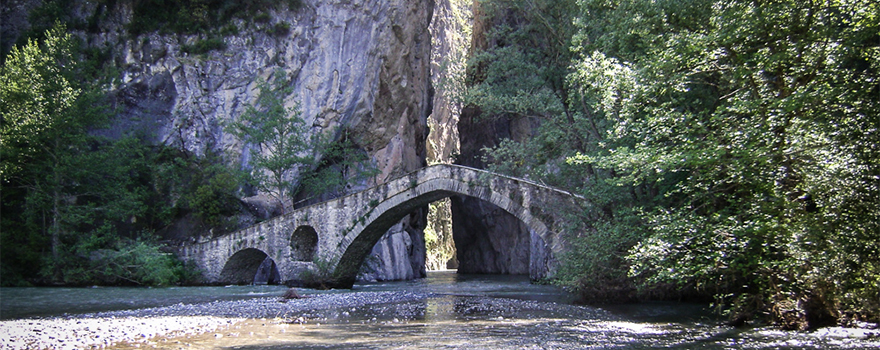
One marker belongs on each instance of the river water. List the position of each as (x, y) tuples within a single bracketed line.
[(454, 312)]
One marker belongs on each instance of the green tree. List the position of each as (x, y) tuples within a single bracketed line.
[(522, 72), (280, 136), (46, 116), (519, 69), (64, 190), (754, 123), (725, 148), (342, 163)]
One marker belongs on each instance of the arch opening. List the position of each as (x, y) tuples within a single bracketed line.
[(440, 249), (267, 273), (497, 243), (488, 239), (420, 196), (250, 266), (304, 243)]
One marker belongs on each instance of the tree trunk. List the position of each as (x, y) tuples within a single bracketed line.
[(56, 214), (56, 234)]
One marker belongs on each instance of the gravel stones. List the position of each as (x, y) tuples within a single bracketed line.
[(98, 330)]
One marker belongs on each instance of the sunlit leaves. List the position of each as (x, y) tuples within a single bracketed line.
[(35, 96), (65, 189), (280, 139), (608, 83), (514, 81), (763, 118)]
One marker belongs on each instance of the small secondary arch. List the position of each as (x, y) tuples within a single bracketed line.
[(250, 266)]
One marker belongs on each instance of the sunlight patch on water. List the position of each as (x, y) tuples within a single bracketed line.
[(274, 334), (626, 327)]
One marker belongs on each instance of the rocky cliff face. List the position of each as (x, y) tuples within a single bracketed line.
[(358, 65), (450, 37), (450, 29)]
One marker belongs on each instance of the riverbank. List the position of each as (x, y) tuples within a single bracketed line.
[(472, 312), (97, 333), (104, 329)]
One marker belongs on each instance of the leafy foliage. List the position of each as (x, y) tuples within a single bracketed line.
[(320, 275), (201, 185), (726, 149), (36, 98), (522, 74), (66, 193), (342, 164), (281, 140), (439, 245), (204, 46), (280, 29), (200, 16), (133, 263), (520, 71), (46, 118), (285, 157), (754, 111)]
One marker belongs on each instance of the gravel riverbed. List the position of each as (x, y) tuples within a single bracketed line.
[(103, 329), (400, 319)]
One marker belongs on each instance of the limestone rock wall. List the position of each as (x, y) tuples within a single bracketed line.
[(14, 21), (361, 65), (450, 38)]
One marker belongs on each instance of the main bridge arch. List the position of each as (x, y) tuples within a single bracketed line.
[(421, 191), (347, 228)]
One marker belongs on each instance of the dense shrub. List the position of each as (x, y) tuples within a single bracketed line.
[(133, 263), (201, 16)]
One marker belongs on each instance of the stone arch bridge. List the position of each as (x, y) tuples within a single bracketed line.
[(336, 236)]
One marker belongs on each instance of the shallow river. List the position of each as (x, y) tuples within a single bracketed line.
[(452, 312)]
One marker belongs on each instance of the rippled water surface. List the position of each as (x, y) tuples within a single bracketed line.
[(44, 301), (455, 312)]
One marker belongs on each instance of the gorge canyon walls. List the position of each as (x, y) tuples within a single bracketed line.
[(361, 67)]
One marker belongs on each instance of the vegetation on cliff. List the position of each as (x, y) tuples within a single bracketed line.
[(270, 124), (200, 16), (729, 149), (285, 158), (209, 20), (81, 208), (68, 194)]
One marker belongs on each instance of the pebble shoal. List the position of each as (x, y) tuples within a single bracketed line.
[(103, 329)]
